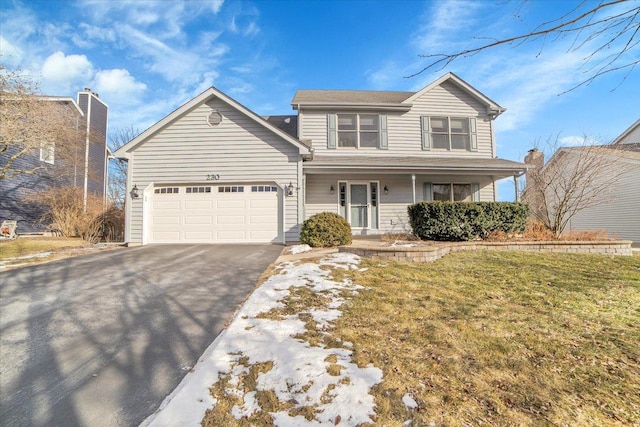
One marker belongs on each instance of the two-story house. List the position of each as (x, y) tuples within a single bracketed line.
[(81, 160), (214, 171)]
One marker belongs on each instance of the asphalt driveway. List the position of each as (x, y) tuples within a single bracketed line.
[(101, 339)]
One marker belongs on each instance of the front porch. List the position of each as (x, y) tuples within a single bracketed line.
[(373, 194)]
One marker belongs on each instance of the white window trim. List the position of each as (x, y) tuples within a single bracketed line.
[(357, 131), (48, 153), (449, 133), (451, 194), (347, 208)]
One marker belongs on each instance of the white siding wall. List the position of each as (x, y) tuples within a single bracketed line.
[(393, 206), (404, 128), (620, 216), (239, 150)]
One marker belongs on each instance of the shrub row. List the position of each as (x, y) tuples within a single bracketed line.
[(462, 221)]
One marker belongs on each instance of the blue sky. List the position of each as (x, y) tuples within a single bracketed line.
[(145, 58)]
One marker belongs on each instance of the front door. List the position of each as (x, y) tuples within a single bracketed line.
[(359, 206)]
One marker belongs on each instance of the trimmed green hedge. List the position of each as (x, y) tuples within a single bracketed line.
[(462, 221), (325, 229)]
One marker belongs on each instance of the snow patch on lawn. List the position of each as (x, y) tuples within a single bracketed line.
[(298, 249), (299, 371)]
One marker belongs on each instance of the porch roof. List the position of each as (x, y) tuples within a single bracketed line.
[(394, 165)]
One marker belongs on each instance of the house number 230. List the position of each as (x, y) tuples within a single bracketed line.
[(213, 177)]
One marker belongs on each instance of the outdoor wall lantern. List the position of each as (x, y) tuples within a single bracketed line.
[(290, 189), (386, 190), (332, 190), (134, 192)]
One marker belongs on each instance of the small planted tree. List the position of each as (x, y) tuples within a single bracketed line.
[(575, 178)]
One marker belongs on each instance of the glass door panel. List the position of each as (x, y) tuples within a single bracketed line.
[(359, 214)]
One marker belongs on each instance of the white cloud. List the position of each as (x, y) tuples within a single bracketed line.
[(118, 82), (216, 5), (9, 54), (62, 73)]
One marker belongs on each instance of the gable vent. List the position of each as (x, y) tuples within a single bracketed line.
[(214, 118)]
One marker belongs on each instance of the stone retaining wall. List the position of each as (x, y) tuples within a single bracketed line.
[(432, 252)]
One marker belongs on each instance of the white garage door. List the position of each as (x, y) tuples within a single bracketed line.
[(213, 214)]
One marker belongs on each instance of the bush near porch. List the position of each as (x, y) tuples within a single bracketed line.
[(463, 221), (325, 229)]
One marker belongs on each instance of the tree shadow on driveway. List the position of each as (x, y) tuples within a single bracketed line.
[(101, 339)]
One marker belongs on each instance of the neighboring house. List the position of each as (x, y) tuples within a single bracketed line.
[(88, 171), (616, 207), (214, 171)]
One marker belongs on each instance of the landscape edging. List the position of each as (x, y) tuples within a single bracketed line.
[(429, 253)]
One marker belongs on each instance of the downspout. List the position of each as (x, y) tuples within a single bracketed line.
[(86, 155)]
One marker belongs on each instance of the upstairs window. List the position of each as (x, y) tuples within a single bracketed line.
[(449, 133), (357, 131), (47, 153)]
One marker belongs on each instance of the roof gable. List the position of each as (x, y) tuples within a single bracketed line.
[(623, 136), (492, 107), (205, 96)]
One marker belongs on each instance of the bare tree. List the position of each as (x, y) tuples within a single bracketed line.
[(36, 131), (575, 179), (608, 29), (118, 167)]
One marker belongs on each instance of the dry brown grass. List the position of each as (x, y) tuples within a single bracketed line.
[(27, 246), (501, 338), (398, 237), (537, 231)]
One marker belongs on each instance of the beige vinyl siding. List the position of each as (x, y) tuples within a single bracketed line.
[(239, 150), (393, 206), (620, 216), (404, 132), (632, 138)]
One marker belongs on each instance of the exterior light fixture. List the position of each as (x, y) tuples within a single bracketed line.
[(332, 190), (386, 190), (134, 192), (290, 189)]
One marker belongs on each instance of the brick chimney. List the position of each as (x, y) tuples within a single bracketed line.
[(535, 158)]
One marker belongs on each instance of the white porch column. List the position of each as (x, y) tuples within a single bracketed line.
[(516, 182), (413, 186)]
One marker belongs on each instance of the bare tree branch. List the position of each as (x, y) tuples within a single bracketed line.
[(30, 122), (575, 179), (592, 24)]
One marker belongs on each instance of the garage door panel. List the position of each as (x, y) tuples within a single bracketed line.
[(231, 235), (198, 236), (166, 220), (262, 219), (167, 204), (166, 236), (214, 217), (204, 219), (262, 203), (228, 219), (230, 204), (198, 204)]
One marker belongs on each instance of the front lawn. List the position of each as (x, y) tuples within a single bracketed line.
[(35, 249), (500, 338)]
